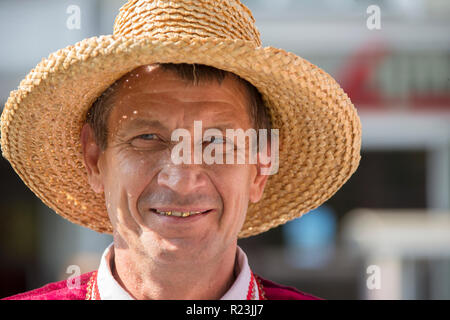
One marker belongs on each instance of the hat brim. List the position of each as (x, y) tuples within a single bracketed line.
[(319, 129)]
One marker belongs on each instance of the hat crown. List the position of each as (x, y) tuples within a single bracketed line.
[(224, 19)]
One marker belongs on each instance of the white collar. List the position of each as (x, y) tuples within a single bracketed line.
[(110, 289)]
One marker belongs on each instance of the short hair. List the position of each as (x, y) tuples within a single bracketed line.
[(98, 114)]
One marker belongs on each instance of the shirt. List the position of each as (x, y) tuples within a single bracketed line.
[(110, 289)]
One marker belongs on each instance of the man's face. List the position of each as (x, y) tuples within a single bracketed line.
[(137, 175)]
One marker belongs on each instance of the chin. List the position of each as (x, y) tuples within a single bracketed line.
[(173, 239)]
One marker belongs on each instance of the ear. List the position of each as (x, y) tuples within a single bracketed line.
[(91, 155), (260, 180)]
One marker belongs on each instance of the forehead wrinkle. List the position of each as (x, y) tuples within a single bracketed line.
[(150, 85), (163, 94), (163, 97), (140, 123), (205, 109), (228, 116)]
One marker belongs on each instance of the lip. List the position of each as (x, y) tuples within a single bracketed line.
[(180, 209), (174, 219)]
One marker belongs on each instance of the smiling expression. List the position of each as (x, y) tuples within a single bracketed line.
[(138, 178)]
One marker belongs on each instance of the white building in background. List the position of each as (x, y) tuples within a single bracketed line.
[(328, 33)]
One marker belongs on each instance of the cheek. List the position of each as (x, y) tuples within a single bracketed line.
[(234, 177), (131, 172), (233, 183), (128, 174)]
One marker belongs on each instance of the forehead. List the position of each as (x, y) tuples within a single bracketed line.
[(151, 92)]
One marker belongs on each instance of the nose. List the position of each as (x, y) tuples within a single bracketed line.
[(183, 179)]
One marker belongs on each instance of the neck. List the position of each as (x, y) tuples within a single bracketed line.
[(145, 277)]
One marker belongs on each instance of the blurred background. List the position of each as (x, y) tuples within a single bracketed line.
[(384, 235)]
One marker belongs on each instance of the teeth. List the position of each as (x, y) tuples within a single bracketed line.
[(178, 213)]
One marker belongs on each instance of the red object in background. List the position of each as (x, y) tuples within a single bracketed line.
[(356, 74), (438, 101), (360, 69)]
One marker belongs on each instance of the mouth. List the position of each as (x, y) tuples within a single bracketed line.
[(179, 213)]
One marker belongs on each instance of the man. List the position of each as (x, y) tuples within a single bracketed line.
[(91, 131)]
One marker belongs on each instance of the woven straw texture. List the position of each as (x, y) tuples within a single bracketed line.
[(319, 129)]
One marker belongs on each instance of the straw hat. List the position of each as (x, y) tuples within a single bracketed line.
[(319, 129)]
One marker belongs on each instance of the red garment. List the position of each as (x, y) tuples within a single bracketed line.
[(60, 291)]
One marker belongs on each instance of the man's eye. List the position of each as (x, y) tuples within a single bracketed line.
[(216, 140), (150, 141), (148, 136), (227, 144)]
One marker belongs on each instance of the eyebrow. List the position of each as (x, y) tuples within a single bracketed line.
[(140, 123), (222, 126)]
